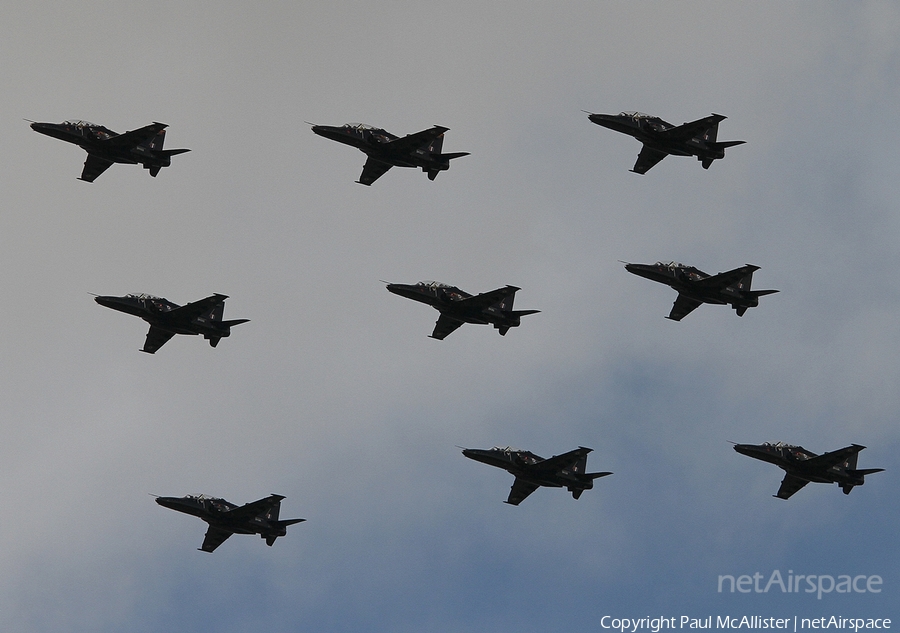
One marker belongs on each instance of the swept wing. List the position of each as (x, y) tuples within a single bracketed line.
[(687, 131), (647, 159), (156, 338), (558, 462), (214, 537), (197, 308), (827, 460), (487, 299), (373, 170), (682, 307), (445, 326), (93, 167), (136, 137), (419, 139), (520, 490), (789, 485), (726, 279)]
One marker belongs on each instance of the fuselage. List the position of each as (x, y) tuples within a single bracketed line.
[(375, 143), (94, 139), (650, 131), (684, 279), (448, 300), (794, 460), (157, 311), (215, 512), (522, 464)]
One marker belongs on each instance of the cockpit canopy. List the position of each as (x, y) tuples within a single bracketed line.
[(671, 265), (780, 445), (637, 115), (506, 449), (80, 123), (360, 126), (433, 284), (203, 497), (144, 297)]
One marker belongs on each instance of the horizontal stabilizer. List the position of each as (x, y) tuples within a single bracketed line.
[(761, 293), (862, 472), (725, 144), (233, 322), (452, 155), (521, 313), (596, 475), (171, 152), (288, 522)]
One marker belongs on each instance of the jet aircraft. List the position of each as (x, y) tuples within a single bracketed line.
[(695, 286), (224, 518), (802, 466), (105, 147), (167, 319), (422, 149), (458, 307), (697, 138), (560, 471)]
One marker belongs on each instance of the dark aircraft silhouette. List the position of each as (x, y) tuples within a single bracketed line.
[(458, 307), (167, 319), (560, 471), (695, 286), (422, 149), (224, 518), (105, 147), (803, 466), (697, 138)]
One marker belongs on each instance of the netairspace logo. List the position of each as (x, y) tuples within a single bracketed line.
[(817, 584)]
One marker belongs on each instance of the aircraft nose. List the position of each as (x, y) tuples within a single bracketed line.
[(746, 449), (43, 128), (106, 301)]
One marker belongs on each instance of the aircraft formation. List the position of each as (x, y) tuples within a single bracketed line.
[(424, 150)]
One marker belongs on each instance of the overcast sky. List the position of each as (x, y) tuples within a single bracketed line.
[(334, 396)]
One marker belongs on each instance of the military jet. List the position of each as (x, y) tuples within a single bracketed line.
[(458, 307), (560, 471), (695, 286), (224, 518), (803, 466), (104, 147), (422, 149), (167, 319), (697, 138)]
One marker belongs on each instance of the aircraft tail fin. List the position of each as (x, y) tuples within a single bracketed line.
[(506, 303), (711, 133), (745, 282), (581, 464), (273, 511), (156, 142), (436, 144), (215, 313)]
